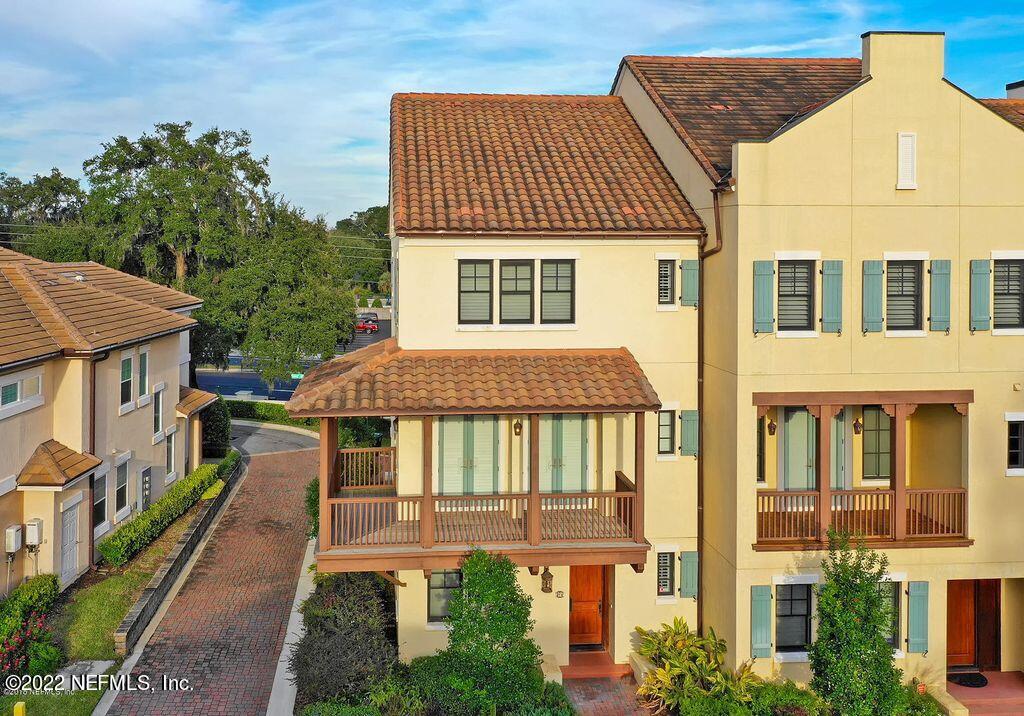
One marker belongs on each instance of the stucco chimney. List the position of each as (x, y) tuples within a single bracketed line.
[(913, 55), (1015, 90)]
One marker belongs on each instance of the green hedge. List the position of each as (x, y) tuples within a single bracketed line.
[(225, 466), (268, 413), (129, 539), (37, 595)]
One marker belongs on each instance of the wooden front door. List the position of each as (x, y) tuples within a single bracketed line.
[(961, 644), (586, 605), (988, 629)]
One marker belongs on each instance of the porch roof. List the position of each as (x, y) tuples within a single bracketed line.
[(54, 464), (384, 379)]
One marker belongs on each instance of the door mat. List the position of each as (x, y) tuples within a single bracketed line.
[(972, 680)]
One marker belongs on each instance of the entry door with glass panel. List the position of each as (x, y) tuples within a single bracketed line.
[(69, 544), (563, 453), (799, 450), (468, 455)]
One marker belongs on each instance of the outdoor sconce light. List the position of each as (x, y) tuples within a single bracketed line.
[(858, 426), (772, 427), (517, 428), (546, 578)]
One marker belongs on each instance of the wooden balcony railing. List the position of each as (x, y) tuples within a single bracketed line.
[(793, 516), (365, 468)]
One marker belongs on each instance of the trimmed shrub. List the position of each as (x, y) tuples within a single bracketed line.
[(35, 596), (920, 704), (345, 647), (44, 657), (445, 692), (130, 538), (225, 466), (213, 490), (333, 708), (705, 705), (784, 698), (216, 422), (268, 413), (313, 507)]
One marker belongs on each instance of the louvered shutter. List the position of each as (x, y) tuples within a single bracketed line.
[(764, 301), (546, 450), (939, 304), (832, 296), (1008, 294), (903, 295), (691, 283), (666, 287), (451, 464), (688, 574), (574, 453), (907, 161), (980, 290), (871, 300), (689, 432), (484, 455), (917, 618), (761, 621)]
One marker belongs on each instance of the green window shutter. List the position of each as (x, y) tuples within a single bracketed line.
[(690, 431), (691, 283), (761, 621), (764, 297), (872, 298), (939, 319), (688, 569), (917, 618), (980, 291), (832, 296)]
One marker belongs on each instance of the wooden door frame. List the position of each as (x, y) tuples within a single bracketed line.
[(979, 614), (607, 590)]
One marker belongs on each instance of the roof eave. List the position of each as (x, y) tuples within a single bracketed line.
[(499, 410)]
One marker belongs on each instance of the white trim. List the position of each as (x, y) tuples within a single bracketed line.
[(667, 256), (101, 529), (170, 430), (665, 457), (122, 458), (910, 183), (184, 358), (656, 548), (1013, 417), (437, 626), (8, 484), (125, 408), (144, 400), (896, 333), (526, 255), (898, 654), (796, 334), (663, 600), (158, 437), (667, 307), (798, 256), (1015, 472), (778, 579), (671, 405), (22, 406), (875, 482), (894, 577), (905, 255), (71, 501), (157, 387), (1011, 254), (170, 477), (128, 353), (792, 657), (123, 512), (515, 327), (55, 488), (1008, 331)]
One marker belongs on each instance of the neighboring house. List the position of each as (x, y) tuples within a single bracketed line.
[(863, 342), (96, 416), (542, 322), (854, 226)]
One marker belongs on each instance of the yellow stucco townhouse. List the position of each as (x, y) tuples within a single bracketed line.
[(863, 343), (96, 415)]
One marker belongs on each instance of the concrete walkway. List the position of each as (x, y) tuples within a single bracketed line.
[(226, 626)]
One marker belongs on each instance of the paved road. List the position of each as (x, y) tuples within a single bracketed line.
[(225, 628), (253, 441)]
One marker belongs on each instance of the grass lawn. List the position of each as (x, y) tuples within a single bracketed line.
[(80, 703)]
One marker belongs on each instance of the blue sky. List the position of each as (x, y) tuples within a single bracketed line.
[(311, 80)]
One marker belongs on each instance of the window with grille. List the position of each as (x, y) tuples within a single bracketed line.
[(439, 592), (475, 304), (796, 295), (890, 592), (666, 282), (158, 407), (126, 380), (666, 574), (877, 444), (121, 487), (557, 291), (1015, 445), (99, 500), (903, 295), (666, 432), (1008, 294), (516, 292), (792, 617)]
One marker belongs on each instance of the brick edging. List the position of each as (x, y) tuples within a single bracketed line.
[(127, 634)]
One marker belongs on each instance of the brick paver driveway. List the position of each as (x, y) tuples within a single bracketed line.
[(604, 697), (225, 628)]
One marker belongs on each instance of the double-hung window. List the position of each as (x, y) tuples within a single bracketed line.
[(126, 380), (443, 584), (170, 454), (99, 500), (516, 292), (666, 432), (793, 617), (1015, 445), (877, 444), (475, 292), (666, 574), (666, 282), (158, 407), (557, 291), (121, 487), (890, 592), (144, 373), (903, 304), (1008, 294), (796, 295)]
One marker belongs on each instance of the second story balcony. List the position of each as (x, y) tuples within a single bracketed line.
[(547, 476)]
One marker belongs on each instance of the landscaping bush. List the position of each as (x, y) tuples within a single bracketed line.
[(333, 708), (784, 698), (213, 490), (35, 596), (225, 466), (44, 657), (920, 704), (313, 507), (553, 701), (396, 695), (128, 539), (216, 420), (445, 692), (851, 661), (345, 648), (268, 413), (17, 647)]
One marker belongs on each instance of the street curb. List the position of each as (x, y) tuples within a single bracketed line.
[(284, 691), (139, 616), (275, 426)]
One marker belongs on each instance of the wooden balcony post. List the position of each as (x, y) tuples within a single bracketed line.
[(638, 477), (899, 414), (824, 414), (328, 458), (427, 503), (533, 505)]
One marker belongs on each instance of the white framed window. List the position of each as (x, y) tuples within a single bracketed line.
[(99, 504), (121, 488), (143, 374), (666, 574), (158, 418), (127, 387), (1014, 444), (20, 392), (171, 474), (906, 159)]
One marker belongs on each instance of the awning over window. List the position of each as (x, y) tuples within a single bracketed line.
[(383, 379), (54, 464), (192, 400)]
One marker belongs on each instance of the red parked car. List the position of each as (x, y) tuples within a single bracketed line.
[(367, 323)]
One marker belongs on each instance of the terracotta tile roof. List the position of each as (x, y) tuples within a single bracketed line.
[(45, 313), (528, 164), (54, 464), (383, 379), (124, 284), (1012, 110), (192, 400), (711, 102)]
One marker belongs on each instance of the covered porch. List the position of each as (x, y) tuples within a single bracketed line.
[(885, 466)]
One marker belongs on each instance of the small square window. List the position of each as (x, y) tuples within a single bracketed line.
[(439, 591), (666, 432), (516, 292), (557, 291)]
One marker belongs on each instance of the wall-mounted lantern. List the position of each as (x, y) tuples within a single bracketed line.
[(546, 579)]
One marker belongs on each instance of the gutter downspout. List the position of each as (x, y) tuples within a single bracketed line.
[(92, 446), (703, 253)]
